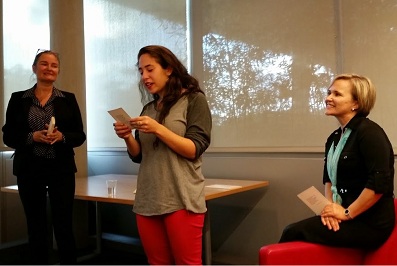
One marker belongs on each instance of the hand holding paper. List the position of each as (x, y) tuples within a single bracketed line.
[(120, 115)]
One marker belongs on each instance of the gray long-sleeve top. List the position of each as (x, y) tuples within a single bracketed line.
[(168, 182)]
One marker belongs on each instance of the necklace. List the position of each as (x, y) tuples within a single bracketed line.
[(43, 96)]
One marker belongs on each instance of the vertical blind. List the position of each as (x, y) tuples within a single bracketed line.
[(114, 33), (265, 65), (23, 35)]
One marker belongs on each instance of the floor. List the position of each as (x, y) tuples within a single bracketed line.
[(113, 257), (18, 255), (112, 253)]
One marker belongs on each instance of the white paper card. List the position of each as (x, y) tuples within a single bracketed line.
[(220, 186), (314, 199), (120, 115)]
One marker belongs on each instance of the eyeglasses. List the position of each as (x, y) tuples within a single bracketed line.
[(42, 51)]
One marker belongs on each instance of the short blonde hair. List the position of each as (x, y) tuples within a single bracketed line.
[(363, 91)]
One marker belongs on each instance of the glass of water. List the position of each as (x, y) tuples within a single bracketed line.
[(111, 184)]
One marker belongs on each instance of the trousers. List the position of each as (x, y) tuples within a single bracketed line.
[(174, 238), (354, 233), (34, 190)]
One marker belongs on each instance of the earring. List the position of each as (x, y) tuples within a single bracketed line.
[(353, 109)]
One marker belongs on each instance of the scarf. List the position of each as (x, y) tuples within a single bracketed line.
[(332, 164)]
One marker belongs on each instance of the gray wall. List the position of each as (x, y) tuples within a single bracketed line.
[(12, 220), (13, 229), (242, 223)]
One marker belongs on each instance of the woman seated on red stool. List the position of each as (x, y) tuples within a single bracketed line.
[(358, 174)]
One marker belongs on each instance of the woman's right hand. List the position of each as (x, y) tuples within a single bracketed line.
[(331, 222), (331, 216), (125, 132), (122, 131)]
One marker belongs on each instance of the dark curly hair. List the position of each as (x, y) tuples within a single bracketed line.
[(179, 79)]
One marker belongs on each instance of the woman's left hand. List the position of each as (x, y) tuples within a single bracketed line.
[(145, 124), (55, 136)]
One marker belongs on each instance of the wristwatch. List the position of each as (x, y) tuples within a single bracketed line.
[(347, 214)]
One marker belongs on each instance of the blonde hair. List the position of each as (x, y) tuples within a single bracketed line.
[(363, 91)]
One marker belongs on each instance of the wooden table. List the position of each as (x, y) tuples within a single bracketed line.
[(93, 188)]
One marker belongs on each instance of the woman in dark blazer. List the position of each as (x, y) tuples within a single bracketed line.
[(44, 161)]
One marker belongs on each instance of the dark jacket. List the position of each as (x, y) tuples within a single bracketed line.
[(16, 130), (366, 161)]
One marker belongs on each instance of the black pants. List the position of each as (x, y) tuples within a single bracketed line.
[(33, 191), (354, 233)]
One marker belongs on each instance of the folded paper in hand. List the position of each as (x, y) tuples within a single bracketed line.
[(120, 115), (314, 199)]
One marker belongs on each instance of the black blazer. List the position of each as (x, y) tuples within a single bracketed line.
[(16, 129)]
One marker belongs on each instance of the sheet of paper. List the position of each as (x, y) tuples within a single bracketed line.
[(220, 186), (120, 115), (313, 199)]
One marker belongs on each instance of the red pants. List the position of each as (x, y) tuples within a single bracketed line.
[(174, 238)]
